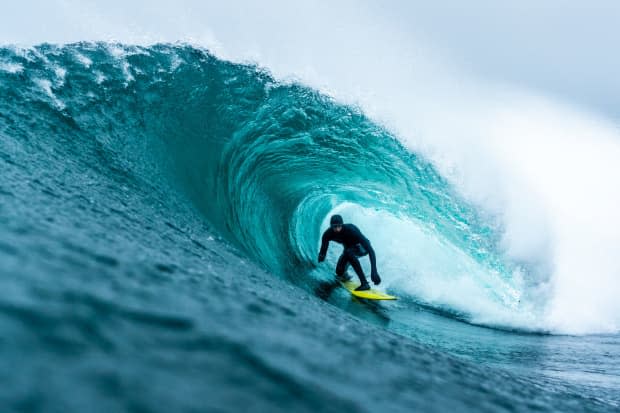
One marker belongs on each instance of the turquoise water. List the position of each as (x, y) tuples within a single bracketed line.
[(161, 211)]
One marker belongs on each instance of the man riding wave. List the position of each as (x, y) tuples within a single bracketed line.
[(355, 245)]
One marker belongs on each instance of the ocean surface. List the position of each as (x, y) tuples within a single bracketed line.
[(160, 216)]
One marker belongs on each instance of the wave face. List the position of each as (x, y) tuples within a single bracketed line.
[(266, 163), (124, 134)]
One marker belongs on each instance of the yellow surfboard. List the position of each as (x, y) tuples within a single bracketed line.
[(368, 294)]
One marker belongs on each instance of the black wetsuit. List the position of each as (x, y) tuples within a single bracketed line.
[(355, 245)]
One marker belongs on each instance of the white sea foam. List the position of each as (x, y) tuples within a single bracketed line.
[(84, 60), (549, 172), (46, 87), (11, 67)]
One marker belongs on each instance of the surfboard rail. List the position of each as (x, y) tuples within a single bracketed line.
[(368, 294)]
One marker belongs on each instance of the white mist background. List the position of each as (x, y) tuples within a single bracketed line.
[(517, 104)]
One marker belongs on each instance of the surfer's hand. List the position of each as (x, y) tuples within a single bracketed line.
[(375, 278), (321, 257)]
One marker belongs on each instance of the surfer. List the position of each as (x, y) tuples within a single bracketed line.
[(355, 245)]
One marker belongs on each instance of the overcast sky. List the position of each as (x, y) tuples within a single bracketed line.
[(566, 49)]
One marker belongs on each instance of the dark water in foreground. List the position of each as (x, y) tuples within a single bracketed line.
[(148, 241)]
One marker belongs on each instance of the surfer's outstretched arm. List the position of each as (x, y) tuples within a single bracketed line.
[(371, 256), (324, 244), (374, 274)]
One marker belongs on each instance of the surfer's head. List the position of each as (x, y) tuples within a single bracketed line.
[(336, 222)]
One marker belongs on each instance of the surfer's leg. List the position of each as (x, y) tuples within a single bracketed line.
[(349, 256), (341, 268)]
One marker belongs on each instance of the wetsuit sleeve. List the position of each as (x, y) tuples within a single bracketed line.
[(324, 244), (371, 252)]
